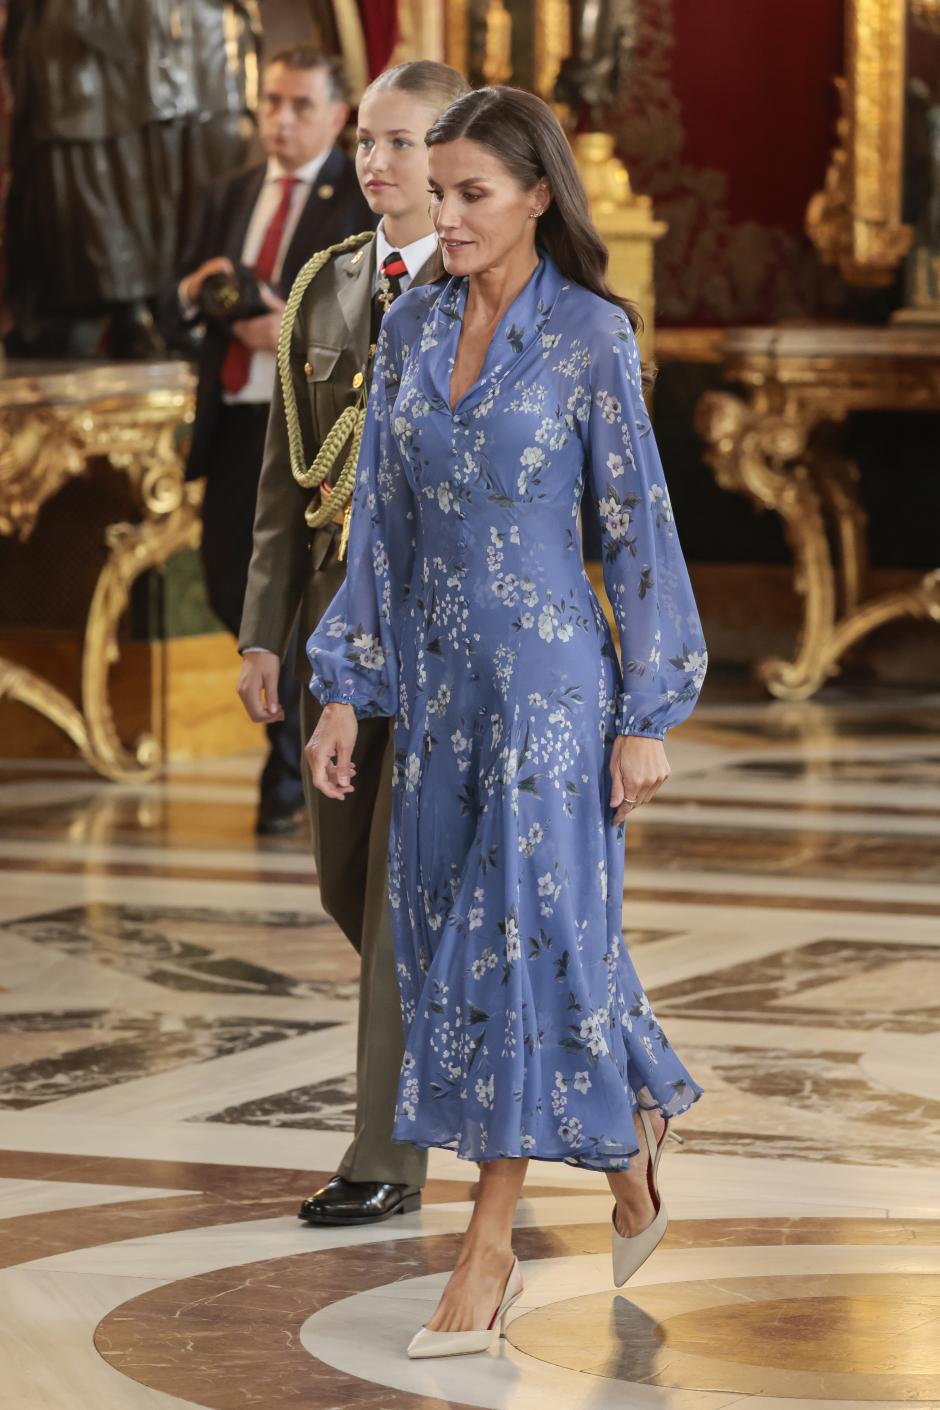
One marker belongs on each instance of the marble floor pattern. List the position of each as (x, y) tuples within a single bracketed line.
[(177, 1056)]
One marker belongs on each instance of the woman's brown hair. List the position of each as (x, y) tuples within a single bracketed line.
[(528, 139)]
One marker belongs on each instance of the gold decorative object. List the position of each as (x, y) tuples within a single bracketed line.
[(604, 174), (552, 29), (762, 444), (926, 15), (855, 221), (497, 59), (457, 34), (625, 222), (37, 456), (348, 20), (52, 425), (420, 33)]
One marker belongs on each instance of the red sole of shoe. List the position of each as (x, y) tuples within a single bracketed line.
[(649, 1171)]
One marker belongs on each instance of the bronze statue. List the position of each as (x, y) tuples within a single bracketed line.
[(121, 109), (591, 78), (921, 209)]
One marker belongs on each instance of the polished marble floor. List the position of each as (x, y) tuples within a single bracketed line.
[(177, 1049)]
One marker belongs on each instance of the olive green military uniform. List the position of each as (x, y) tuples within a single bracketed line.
[(294, 567)]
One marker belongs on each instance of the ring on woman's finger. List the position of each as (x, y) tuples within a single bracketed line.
[(632, 801)]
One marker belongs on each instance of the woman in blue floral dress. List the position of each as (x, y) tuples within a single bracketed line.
[(521, 745)]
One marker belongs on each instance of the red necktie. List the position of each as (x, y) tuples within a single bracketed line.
[(236, 364), (393, 266)]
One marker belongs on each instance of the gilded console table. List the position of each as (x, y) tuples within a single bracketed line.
[(767, 442), (55, 419)]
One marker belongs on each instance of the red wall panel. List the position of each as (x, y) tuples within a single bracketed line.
[(754, 81), (728, 119)]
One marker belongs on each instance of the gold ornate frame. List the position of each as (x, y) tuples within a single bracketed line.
[(855, 221)]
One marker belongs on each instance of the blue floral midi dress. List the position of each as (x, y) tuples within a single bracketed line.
[(467, 615)]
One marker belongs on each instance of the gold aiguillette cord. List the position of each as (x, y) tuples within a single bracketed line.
[(344, 536)]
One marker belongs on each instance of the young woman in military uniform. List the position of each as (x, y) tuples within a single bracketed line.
[(327, 344)]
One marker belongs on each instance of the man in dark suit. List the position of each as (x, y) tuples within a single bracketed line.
[(269, 218)]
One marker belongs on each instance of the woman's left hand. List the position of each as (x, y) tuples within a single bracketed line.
[(638, 769)]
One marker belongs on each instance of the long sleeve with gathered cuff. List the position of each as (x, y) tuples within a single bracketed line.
[(663, 653)]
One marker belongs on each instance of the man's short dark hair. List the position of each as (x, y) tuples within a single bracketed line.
[(308, 56)]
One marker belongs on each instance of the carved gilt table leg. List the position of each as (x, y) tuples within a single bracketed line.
[(921, 601), (762, 452), (39, 453), (133, 548), (19, 683), (837, 481)]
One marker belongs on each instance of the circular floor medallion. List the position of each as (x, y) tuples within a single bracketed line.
[(854, 1337)]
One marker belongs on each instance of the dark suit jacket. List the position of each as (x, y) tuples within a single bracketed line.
[(330, 345), (220, 229)]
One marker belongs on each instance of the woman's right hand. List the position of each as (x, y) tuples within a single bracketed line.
[(329, 750)]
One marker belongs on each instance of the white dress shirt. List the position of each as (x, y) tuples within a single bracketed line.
[(262, 370), (415, 255)]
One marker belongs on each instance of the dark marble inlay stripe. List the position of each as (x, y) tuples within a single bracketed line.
[(329, 1105), (230, 1338), (639, 893), (776, 1145), (172, 871), (844, 766), (798, 724), (799, 805), (138, 1045), (55, 1021), (242, 1181), (798, 852), (888, 1126), (759, 988), (145, 819), (26, 1237), (15, 773), (159, 944), (771, 901), (216, 1195)]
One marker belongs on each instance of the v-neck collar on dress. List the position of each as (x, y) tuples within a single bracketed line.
[(520, 327)]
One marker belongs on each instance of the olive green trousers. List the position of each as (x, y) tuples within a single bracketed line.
[(350, 841)]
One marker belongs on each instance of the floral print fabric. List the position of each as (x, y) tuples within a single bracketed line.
[(467, 615)]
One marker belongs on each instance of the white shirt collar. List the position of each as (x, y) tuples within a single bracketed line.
[(415, 255), (307, 173)]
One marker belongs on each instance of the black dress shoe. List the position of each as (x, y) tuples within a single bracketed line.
[(273, 824), (358, 1202)]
